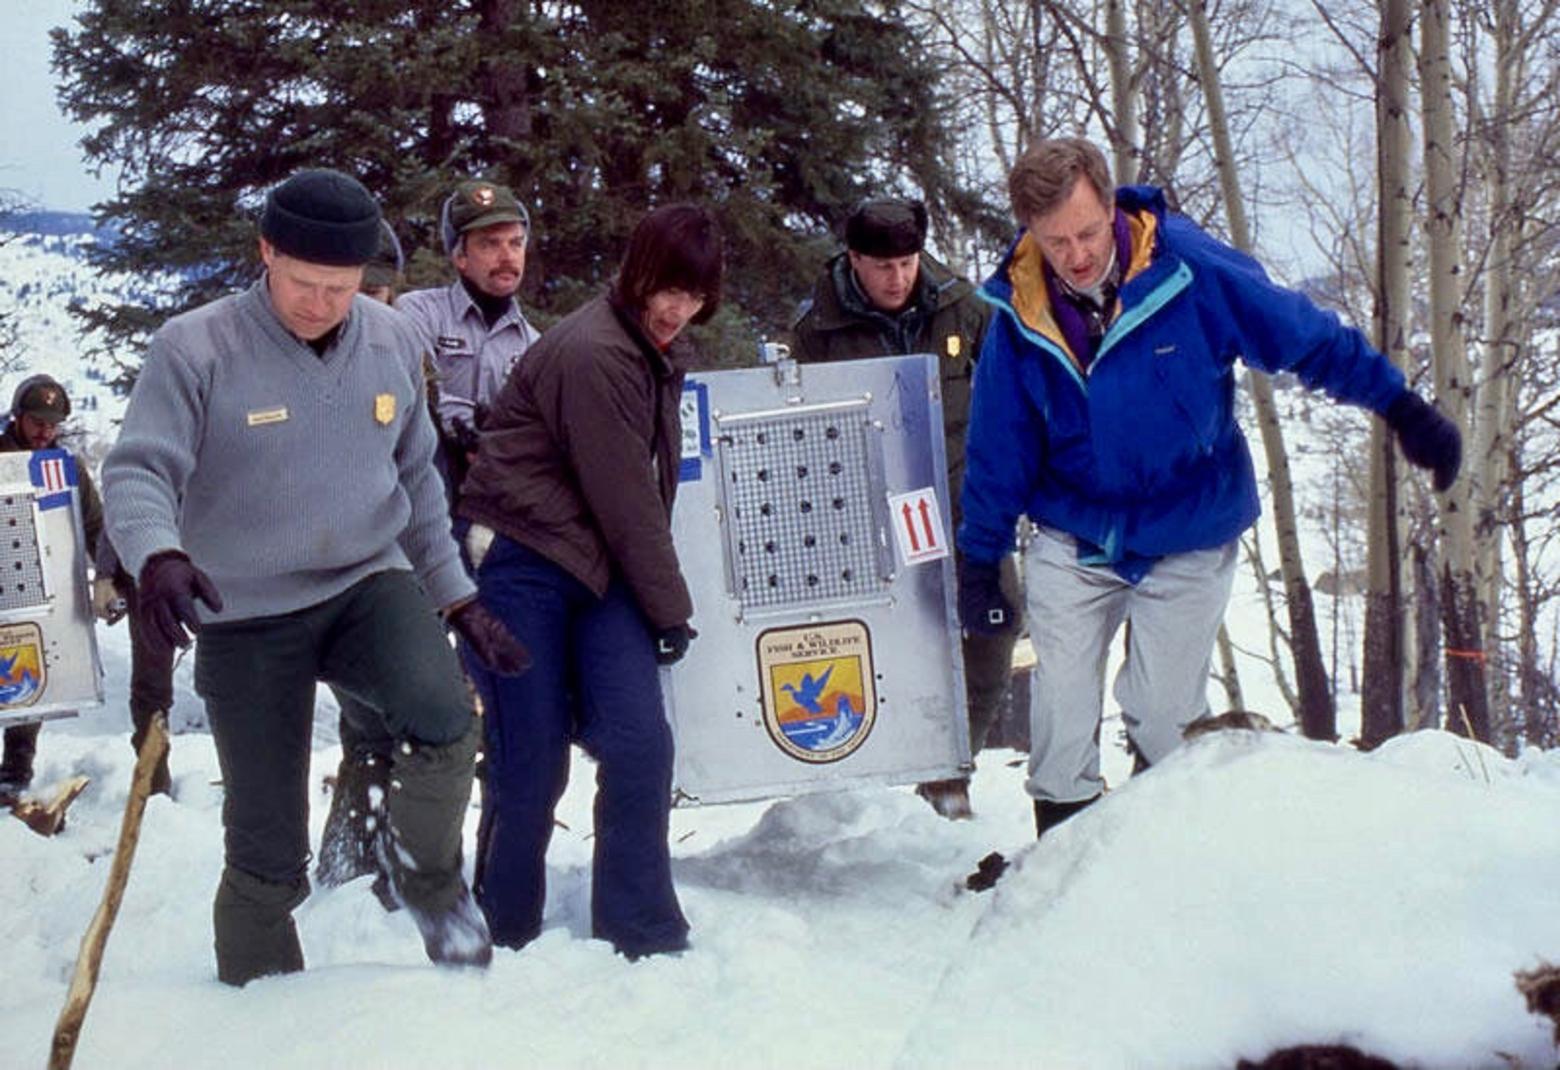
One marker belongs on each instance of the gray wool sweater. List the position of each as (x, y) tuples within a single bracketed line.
[(284, 476)]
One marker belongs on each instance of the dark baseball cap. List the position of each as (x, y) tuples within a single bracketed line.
[(476, 204), (42, 398)]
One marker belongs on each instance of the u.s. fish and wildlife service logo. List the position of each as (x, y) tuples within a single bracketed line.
[(820, 696), (22, 669)]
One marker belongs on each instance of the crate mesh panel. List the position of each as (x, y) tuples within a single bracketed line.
[(21, 567), (800, 496)]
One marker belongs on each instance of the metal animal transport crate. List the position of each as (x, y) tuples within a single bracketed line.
[(49, 666), (811, 524)]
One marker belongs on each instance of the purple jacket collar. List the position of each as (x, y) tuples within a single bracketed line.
[(1069, 318)]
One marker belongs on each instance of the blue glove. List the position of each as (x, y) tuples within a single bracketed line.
[(983, 608), (1428, 439)]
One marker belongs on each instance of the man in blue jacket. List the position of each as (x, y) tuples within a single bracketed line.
[(1104, 410)]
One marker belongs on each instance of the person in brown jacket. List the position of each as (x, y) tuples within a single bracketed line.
[(569, 510)]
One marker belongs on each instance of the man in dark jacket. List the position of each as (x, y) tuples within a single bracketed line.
[(38, 407), (885, 295)]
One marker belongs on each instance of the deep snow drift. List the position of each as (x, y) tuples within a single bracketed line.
[(1251, 892)]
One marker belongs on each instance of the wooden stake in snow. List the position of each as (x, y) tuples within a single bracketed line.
[(90, 958)]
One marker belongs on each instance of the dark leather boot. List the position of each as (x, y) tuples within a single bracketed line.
[(16, 768), (1049, 813)]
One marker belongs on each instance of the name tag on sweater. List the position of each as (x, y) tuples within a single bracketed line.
[(261, 417), (448, 343)]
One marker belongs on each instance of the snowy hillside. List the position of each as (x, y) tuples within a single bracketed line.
[(1250, 892), (41, 276)]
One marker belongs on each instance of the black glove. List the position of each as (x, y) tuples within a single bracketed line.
[(167, 592), (672, 643), (983, 608), (463, 436), (1427, 438), (493, 643)]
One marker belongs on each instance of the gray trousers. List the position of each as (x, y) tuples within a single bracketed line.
[(1074, 612)]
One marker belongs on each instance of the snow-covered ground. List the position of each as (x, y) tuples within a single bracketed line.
[(1251, 892)]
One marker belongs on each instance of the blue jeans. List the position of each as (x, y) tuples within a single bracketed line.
[(593, 680)]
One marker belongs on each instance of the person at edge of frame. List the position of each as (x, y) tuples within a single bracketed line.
[(1104, 411), (39, 406)]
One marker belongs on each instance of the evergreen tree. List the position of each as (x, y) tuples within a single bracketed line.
[(778, 114)]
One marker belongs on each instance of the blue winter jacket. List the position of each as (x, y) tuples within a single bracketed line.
[(1139, 453)]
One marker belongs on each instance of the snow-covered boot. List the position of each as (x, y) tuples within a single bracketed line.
[(1049, 813), (356, 808), (255, 934), (420, 848)]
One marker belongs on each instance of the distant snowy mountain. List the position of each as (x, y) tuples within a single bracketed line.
[(43, 274)]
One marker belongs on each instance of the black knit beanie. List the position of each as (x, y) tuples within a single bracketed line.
[(324, 217)]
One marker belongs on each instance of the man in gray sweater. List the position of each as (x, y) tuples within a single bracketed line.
[(275, 464)]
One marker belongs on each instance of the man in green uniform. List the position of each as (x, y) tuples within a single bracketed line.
[(38, 407), (884, 295)]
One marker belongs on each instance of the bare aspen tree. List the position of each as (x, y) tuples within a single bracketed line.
[(1317, 714), (1467, 710), (1517, 128), (1008, 82), (1385, 654), (1122, 95), (1485, 463)]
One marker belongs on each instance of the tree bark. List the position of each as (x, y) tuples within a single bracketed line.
[(1122, 97), (1487, 460), (1468, 710), (1317, 714), (1381, 700)]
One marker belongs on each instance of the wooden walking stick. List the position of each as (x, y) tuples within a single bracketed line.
[(90, 959)]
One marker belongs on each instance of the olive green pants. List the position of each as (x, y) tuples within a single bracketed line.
[(379, 641)]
